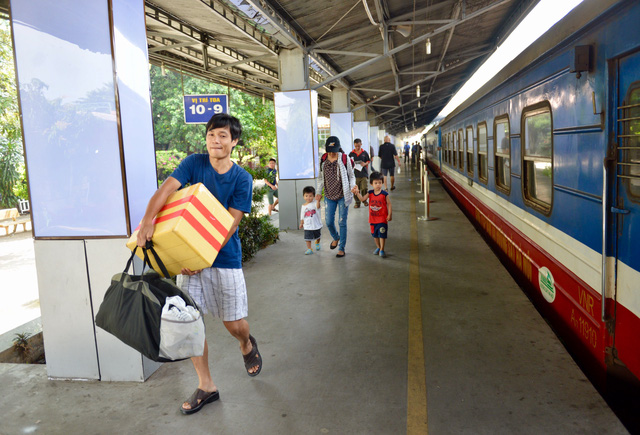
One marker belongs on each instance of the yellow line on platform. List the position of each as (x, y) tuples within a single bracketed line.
[(416, 382)]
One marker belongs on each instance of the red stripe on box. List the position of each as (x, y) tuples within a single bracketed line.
[(202, 209), (194, 223)]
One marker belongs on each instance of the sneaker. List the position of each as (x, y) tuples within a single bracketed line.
[(308, 251), (382, 254), (356, 206), (317, 245), (366, 203), (392, 188), (377, 251)]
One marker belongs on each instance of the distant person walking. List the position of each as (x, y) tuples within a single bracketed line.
[(361, 160), (407, 149), (337, 180), (272, 182), (388, 156)]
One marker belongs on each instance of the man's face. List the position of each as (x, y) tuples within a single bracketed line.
[(357, 145), (272, 164), (219, 143)]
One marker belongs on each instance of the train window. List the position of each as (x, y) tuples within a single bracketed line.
[(468, 148), (482, 152), (446, 148), (454, 161), (460, 156), (537, 164), (630, 151), (502, 162)]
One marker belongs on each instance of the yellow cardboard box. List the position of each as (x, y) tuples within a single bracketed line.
[(189, 230)]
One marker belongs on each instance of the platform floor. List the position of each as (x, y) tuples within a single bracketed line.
[(334, 334)]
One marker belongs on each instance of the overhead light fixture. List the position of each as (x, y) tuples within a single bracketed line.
[(406, 129), (162, 70), (415, 117), (418, 104), (404, 30), (428, 45), (418, 91)]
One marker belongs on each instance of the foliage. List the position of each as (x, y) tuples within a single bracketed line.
[(21, 344), (256, 232), (167, 161), (258, 119), (10, 133)]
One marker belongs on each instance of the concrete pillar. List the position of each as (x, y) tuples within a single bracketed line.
[(88, 137), (297, 134), (360, 115), (340, 101)]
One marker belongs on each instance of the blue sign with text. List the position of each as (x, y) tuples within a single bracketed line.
[(198, 109)]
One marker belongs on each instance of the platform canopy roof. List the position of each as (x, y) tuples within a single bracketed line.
[(375, 48)]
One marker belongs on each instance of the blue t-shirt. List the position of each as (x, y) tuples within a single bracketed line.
[(233, 189)]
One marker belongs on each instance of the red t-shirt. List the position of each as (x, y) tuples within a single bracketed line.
[(378, 211)]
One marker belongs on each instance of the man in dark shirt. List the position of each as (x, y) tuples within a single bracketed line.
[(361, 159), (388, 156)]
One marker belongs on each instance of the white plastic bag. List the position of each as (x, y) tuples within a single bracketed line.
[(181, 330)]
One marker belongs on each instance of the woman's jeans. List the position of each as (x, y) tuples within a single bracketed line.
[(330, 217)]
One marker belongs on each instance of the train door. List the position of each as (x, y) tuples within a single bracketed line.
[(626, 213)]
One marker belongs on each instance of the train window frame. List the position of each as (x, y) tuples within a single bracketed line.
[(446, 148), (530, 200), (484, 179), (502, 119), (469, 149), (625, 159), (454, 161), (460, 155)]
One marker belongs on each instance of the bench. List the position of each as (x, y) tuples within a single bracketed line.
[(10, 218)]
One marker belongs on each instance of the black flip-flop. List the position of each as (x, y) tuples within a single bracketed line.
[(203, 396), (340, 255), (332, 246)]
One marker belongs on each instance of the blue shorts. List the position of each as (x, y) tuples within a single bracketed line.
[(379, 231)]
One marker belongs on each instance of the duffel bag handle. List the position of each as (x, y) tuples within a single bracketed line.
[(149, 247)]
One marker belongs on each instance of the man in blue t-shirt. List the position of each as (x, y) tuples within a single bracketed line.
[(220, 288)]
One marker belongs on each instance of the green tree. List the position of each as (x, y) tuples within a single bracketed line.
[(258, 119), (11, 159)]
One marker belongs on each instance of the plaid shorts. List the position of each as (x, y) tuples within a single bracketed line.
[(222, 292)]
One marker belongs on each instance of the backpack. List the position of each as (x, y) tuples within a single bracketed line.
[(344, 159)]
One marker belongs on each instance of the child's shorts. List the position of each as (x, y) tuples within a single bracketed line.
[(379, 231), (311, 235)]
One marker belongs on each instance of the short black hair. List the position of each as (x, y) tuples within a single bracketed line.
[(375, 175), (357, 140), (272, 160), (222, 120), (309, 189)]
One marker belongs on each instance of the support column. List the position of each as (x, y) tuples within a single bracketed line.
[(89, 150), (297, 133), (341, 118), (361, 127)]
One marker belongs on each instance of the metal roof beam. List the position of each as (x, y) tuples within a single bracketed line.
[(173, 46), (346, 53), (240, 62), (342, 37), (415, 41), (268, 12)]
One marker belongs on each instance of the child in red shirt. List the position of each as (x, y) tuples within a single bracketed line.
[(379, 211)]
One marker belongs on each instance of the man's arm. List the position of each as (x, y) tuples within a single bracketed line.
[(156, 202)]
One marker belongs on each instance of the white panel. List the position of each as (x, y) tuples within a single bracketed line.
[(374, 141), (118, 362), (134, 94), (342, 128), (65, 71), (65, 304), (294, 131), (361, 131)]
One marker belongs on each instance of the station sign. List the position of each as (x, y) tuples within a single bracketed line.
[(198, 109)]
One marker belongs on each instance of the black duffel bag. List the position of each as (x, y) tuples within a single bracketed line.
[(132, 311)]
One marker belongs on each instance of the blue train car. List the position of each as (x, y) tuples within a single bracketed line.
[(545, 158)]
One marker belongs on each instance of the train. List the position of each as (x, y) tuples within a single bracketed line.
[(545, 161)]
